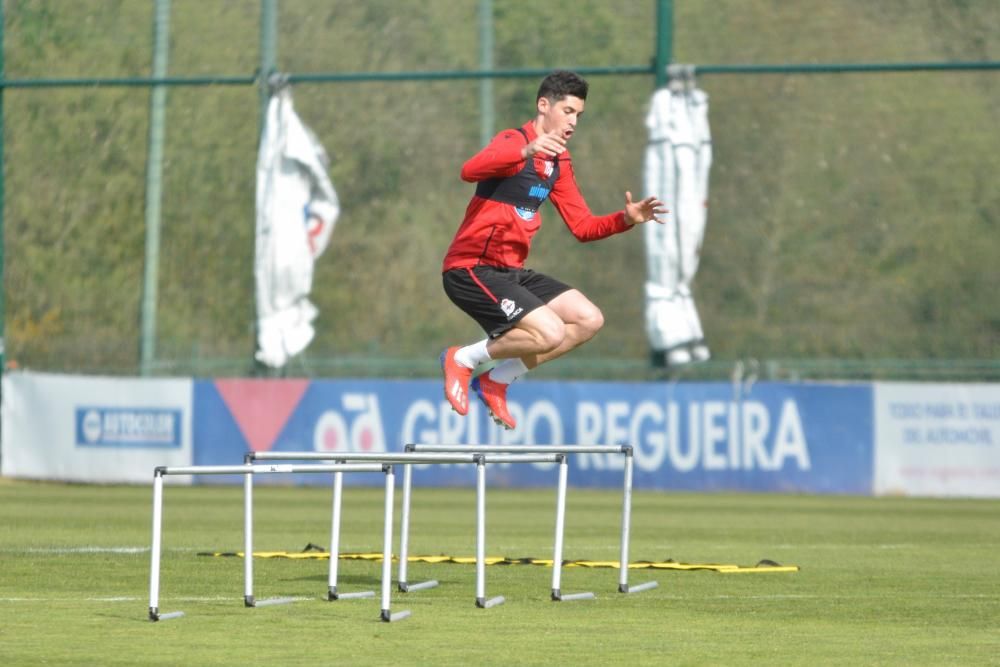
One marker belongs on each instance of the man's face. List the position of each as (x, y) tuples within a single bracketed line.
[(560, 116)]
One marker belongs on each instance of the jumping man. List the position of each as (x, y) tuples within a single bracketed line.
[(529, 318)]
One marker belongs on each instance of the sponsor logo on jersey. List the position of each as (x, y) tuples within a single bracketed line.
[(539, 192)]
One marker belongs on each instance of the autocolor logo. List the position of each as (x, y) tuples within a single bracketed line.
[(128, 427)]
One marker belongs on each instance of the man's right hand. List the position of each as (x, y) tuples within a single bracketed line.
[(548, 144)]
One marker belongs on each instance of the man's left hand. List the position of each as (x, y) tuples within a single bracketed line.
[(643, 210)]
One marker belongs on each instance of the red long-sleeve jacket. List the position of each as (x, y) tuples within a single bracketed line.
[(502, 216)]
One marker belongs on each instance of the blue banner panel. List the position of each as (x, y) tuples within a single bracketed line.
[(687, 436)]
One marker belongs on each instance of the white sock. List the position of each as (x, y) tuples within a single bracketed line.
[(508, 370), (471, 356)]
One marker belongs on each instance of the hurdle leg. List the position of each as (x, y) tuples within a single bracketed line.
[(404, 538), (248, 599), (481, 600), (332, 594), (623, 561), (387, 615), (154, 567), (154, 554), (338, 484), (557, 555), (404, 528)]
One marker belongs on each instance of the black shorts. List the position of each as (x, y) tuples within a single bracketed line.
[(498, 298)]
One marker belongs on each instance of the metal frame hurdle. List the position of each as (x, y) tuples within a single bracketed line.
[(467, 455), (624, 450), (248, 471)]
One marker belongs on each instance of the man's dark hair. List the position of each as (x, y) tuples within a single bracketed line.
[(561, 84)]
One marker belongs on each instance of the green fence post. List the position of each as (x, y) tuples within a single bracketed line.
[(154, 186), (664, 40), (268, 66), (268, 52), (487, 112), (3, 283)]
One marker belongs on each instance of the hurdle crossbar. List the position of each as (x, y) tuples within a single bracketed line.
[(624, 450), (248, 471), (465, 456)]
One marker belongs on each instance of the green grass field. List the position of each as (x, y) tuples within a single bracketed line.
[(886, 581)]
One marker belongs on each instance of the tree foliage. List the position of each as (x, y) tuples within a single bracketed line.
[(851, 215)]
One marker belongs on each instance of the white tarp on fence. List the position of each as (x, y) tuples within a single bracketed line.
[(297, 208), (677, 162)]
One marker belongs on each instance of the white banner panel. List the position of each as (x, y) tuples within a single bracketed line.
[(937, 439), (94, 429)]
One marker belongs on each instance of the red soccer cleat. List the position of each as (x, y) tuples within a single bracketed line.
[(494, 397), (456, 381)]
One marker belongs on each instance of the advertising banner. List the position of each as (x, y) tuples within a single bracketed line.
[(937, 439), (697, 436), (94, 429), (884, 438)]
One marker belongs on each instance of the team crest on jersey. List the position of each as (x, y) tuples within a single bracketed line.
[(544, 167), (524, 213), (510, 308)]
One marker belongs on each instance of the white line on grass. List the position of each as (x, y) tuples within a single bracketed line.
[(75, 550), (803, 596), (216, 598), (688, 598), (56, 551), (845, 545)]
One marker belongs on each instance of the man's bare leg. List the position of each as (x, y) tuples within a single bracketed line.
[(551, 331), (581, 320), (544, 334), (538, 332)]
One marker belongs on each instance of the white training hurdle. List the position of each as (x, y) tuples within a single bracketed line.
[(469, 455), (414, 454), (248, 471), (557, 595)]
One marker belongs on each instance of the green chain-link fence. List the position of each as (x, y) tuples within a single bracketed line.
[(853, 224)]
